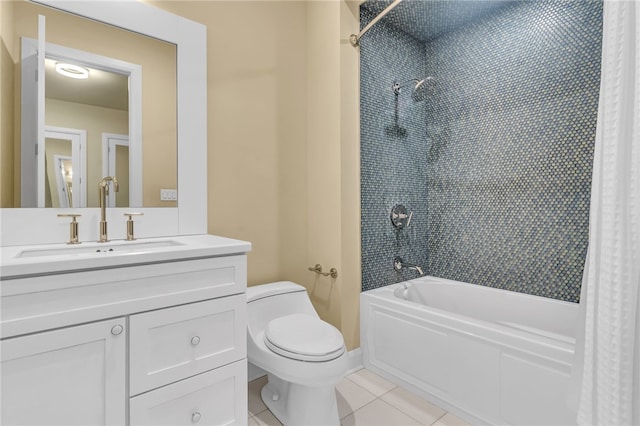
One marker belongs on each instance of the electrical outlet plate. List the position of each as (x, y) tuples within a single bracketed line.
[(168, 195)]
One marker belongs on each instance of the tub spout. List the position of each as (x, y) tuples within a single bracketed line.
[(402, 292), (398, 264)]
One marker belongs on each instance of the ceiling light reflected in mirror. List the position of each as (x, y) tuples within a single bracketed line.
[(72, 71), (104, 88)]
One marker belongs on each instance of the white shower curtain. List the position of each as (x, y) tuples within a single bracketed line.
[(610, 389)]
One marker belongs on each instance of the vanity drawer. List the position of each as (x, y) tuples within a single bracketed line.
[(171, 344), (217, 397), (44, 302)]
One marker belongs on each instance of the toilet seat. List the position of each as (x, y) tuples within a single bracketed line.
[(304, 337)]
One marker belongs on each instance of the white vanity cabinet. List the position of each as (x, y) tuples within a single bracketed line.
[(71, 376), (173, 343), (216, 397), (142, 340), (201, 342)]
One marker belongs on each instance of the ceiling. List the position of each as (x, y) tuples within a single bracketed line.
[(426, 20)]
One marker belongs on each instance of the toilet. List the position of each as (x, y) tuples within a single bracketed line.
[(304, 357)]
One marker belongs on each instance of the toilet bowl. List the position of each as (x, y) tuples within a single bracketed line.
[(304, 357)]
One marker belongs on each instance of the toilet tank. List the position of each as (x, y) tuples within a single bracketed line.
[(267, 302)]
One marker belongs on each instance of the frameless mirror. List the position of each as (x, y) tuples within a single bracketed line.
[(111, 126)]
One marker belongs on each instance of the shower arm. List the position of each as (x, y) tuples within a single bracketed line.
[(354, 39)]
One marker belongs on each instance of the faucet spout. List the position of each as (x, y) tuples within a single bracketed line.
[(103, 191), (398, 264)]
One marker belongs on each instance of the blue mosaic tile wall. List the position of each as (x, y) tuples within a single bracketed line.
[(392, 157), (508, 133)]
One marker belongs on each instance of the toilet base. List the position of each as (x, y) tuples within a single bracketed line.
[(299, 405)]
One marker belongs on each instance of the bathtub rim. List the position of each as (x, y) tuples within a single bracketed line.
[(387, 292)]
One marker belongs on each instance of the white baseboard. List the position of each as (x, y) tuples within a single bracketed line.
[(354, 361)]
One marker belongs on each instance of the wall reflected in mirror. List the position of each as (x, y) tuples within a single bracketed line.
[(58, 177), (71, 104)]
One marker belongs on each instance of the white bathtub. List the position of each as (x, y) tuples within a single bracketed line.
[(490, 356)]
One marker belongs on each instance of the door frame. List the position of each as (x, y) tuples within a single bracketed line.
[(109, 143), (78, 139)]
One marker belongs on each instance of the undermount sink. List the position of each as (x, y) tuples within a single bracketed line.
[(99, 248), (31, 260)]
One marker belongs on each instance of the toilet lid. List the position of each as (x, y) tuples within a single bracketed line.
[(304, 337)]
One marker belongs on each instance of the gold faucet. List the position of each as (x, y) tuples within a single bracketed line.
[(103, 190)]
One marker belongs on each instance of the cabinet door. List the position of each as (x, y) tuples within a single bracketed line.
[(71, 376), (217, 397), (171, 344)]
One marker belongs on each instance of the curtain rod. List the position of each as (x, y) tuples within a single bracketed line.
[(355, 38)]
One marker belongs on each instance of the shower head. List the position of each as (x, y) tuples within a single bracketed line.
[(421, 88)]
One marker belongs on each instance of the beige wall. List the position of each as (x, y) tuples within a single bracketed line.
[(158, 86), (350, 172), (54, 147), (7, 117), (283, 147), (256, 129), (122, 171), (323, 157)]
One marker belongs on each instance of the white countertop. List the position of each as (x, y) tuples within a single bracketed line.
[(19, 261)]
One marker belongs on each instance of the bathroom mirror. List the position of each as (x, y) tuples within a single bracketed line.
[(129, 88), (187, 39)]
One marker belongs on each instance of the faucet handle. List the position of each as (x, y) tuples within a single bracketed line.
[(130, 236), (398, 263), (134, 214), (73, 227)]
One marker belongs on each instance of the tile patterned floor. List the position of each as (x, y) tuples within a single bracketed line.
[(365, 399)]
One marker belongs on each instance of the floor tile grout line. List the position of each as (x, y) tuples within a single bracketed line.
[(439, 418), (362, 387), (371, 393), (376, 397), (414, 418), (259, 412), (407, 414), (399, 409), (360, 408), (368, 403), (393, 406), (385, 402)]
